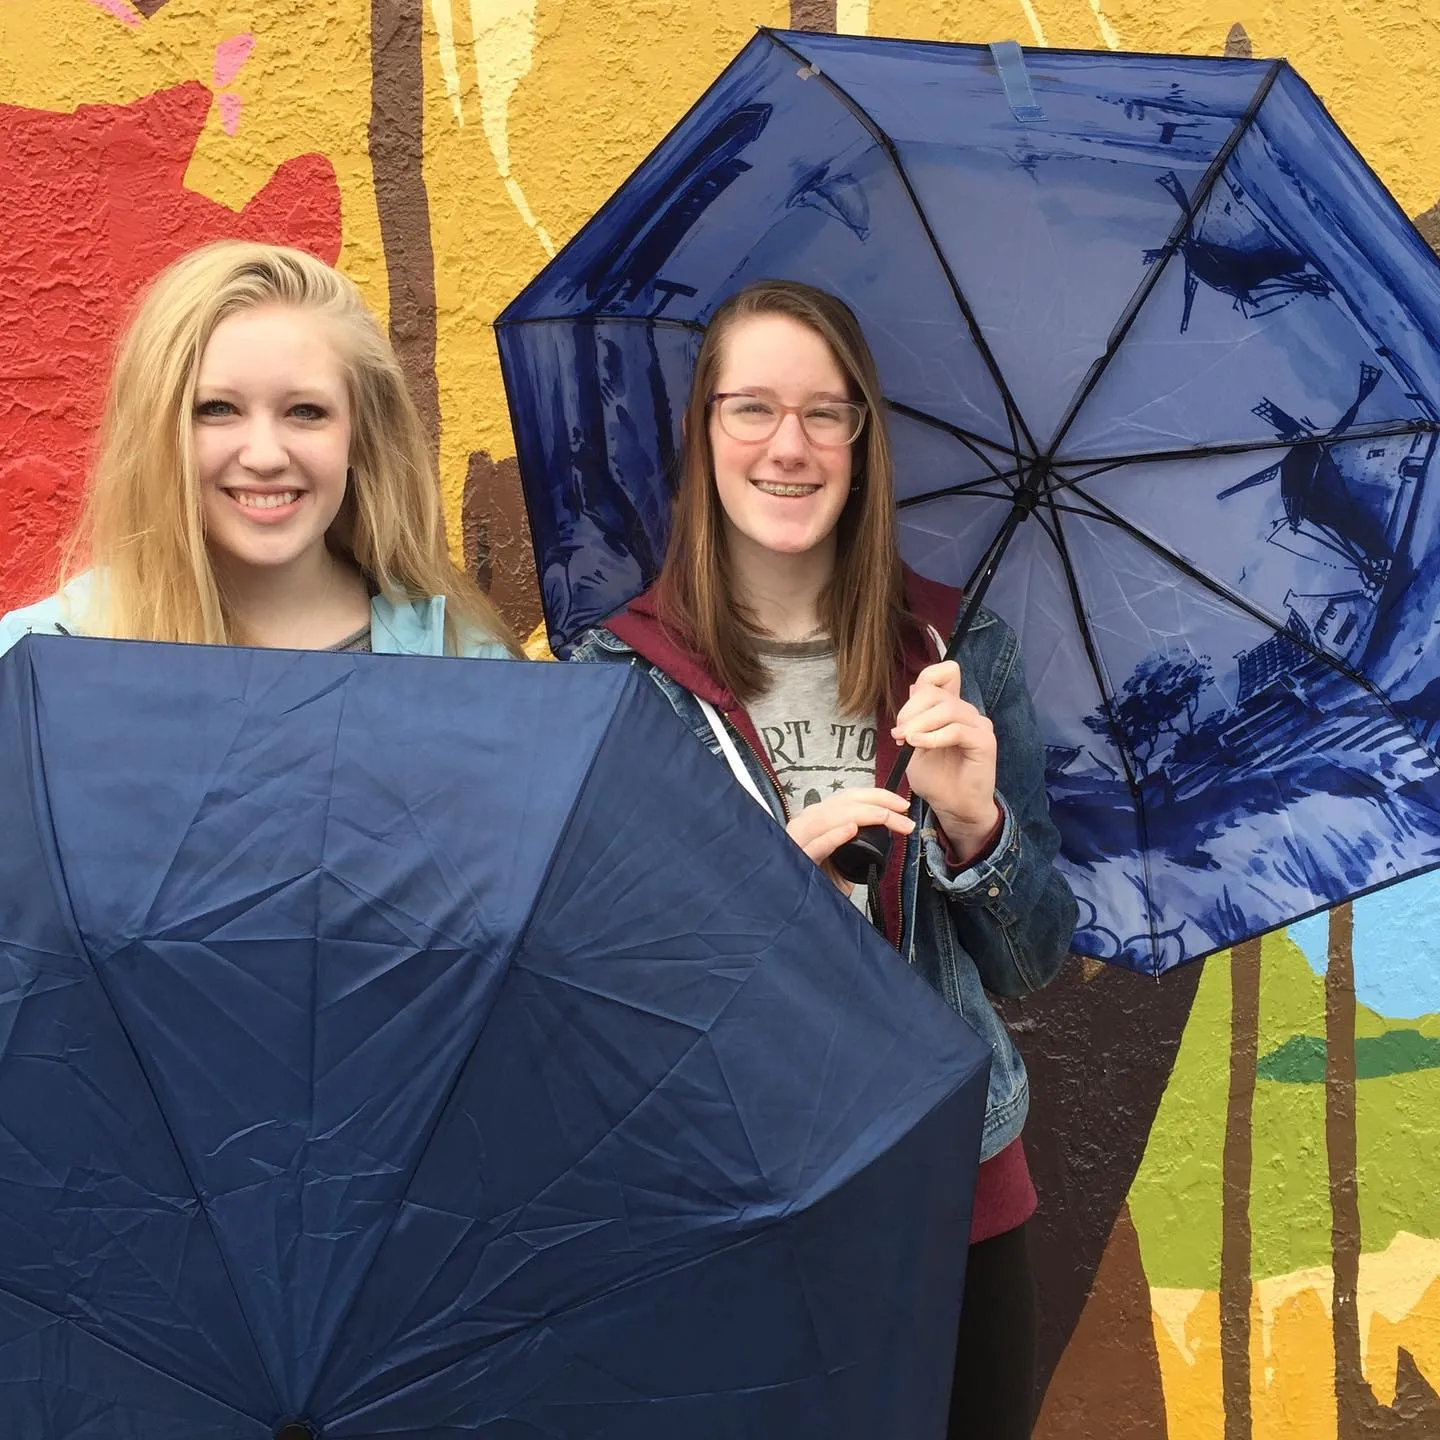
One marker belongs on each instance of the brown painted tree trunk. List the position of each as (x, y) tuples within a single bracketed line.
[(1111, 1368), (1351, 1389), (812, 15), (1100, 1044), (397, 152), (1415, 1414), (496, 533), (1236, 1281)]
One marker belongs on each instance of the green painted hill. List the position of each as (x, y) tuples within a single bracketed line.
[(1175, 1200)]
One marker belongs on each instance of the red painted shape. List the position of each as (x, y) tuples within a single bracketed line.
[(94, 204)]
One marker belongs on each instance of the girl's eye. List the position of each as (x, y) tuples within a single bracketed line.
[(307, 411), (209, 409)]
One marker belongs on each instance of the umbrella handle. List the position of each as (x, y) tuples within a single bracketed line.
[(867, 852)]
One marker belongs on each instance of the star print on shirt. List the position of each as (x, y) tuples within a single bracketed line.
[(788, 787), (837, 784)]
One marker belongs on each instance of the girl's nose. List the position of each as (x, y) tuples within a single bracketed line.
[(789, 442), (262, 451)]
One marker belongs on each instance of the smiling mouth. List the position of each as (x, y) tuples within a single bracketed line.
[(269, 500), (773, 487)]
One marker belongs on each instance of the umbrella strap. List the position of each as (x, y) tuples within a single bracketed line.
[(731, 751), (1015, 78)]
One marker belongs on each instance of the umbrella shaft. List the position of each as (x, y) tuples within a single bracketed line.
[(861, 859), (975, 588)]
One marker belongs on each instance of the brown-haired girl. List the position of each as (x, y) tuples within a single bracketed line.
[(786, 632)]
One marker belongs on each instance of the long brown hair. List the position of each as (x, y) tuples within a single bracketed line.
[(141, 528), (863, 605)]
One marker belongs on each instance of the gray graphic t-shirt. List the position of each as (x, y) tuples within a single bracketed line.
[(816, 750)]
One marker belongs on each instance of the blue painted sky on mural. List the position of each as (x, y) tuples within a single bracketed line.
[(1396, 948)]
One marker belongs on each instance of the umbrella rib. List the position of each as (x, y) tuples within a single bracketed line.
[(119, 1349), (887, 145), (1103, 464), (1103, 688), (104, 990), (1223, 592), (1168, 252), (971, 441), (976, 489)]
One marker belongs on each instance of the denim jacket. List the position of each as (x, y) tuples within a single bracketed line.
[(1002, 924)]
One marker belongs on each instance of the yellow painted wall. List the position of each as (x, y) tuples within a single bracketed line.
[(534, 111)]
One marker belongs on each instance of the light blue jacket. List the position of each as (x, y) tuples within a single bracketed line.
[(411, 627)]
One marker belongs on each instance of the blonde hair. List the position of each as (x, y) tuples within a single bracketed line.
[(141, 528), (863, 605)]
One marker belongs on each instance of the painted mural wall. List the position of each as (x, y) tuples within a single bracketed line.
[(1239, 1165)]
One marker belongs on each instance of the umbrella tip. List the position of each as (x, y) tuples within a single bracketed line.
[(297, 1430)]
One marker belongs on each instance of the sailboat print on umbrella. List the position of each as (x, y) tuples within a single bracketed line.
[(1232, 250)]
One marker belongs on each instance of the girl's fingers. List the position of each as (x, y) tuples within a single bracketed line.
[(961, 737), (819, 830), (887, 798), (924, 701), (823, 846), (944, 675), (854, 817), (972, 731)]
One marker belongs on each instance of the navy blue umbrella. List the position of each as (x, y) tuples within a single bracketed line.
[(1162, 360), (384, 1052)]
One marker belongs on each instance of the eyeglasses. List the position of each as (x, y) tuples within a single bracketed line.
[(753, 418)]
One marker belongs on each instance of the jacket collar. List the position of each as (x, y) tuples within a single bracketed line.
[(411, 627), (641, 627), (407, 627)]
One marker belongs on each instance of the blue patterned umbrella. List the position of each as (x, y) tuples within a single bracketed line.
[(1152, 324), (383, 1054)]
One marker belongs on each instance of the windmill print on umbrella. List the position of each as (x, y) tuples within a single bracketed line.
[(1344, 499), (1232, 250), (1279, 715)]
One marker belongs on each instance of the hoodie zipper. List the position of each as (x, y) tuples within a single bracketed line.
[(764, 764)]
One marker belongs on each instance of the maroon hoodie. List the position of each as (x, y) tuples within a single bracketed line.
[(1004, 1195), (640, 627)]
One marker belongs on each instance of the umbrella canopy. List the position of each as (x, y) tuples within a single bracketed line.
[(384, 1053), (1155, 311)]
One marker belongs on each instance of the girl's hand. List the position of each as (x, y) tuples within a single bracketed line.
[(821, 829), (953, 769)]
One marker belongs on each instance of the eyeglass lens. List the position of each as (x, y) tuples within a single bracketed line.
[(752, 417)]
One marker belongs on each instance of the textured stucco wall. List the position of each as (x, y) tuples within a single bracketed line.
[(1191, 1156)]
